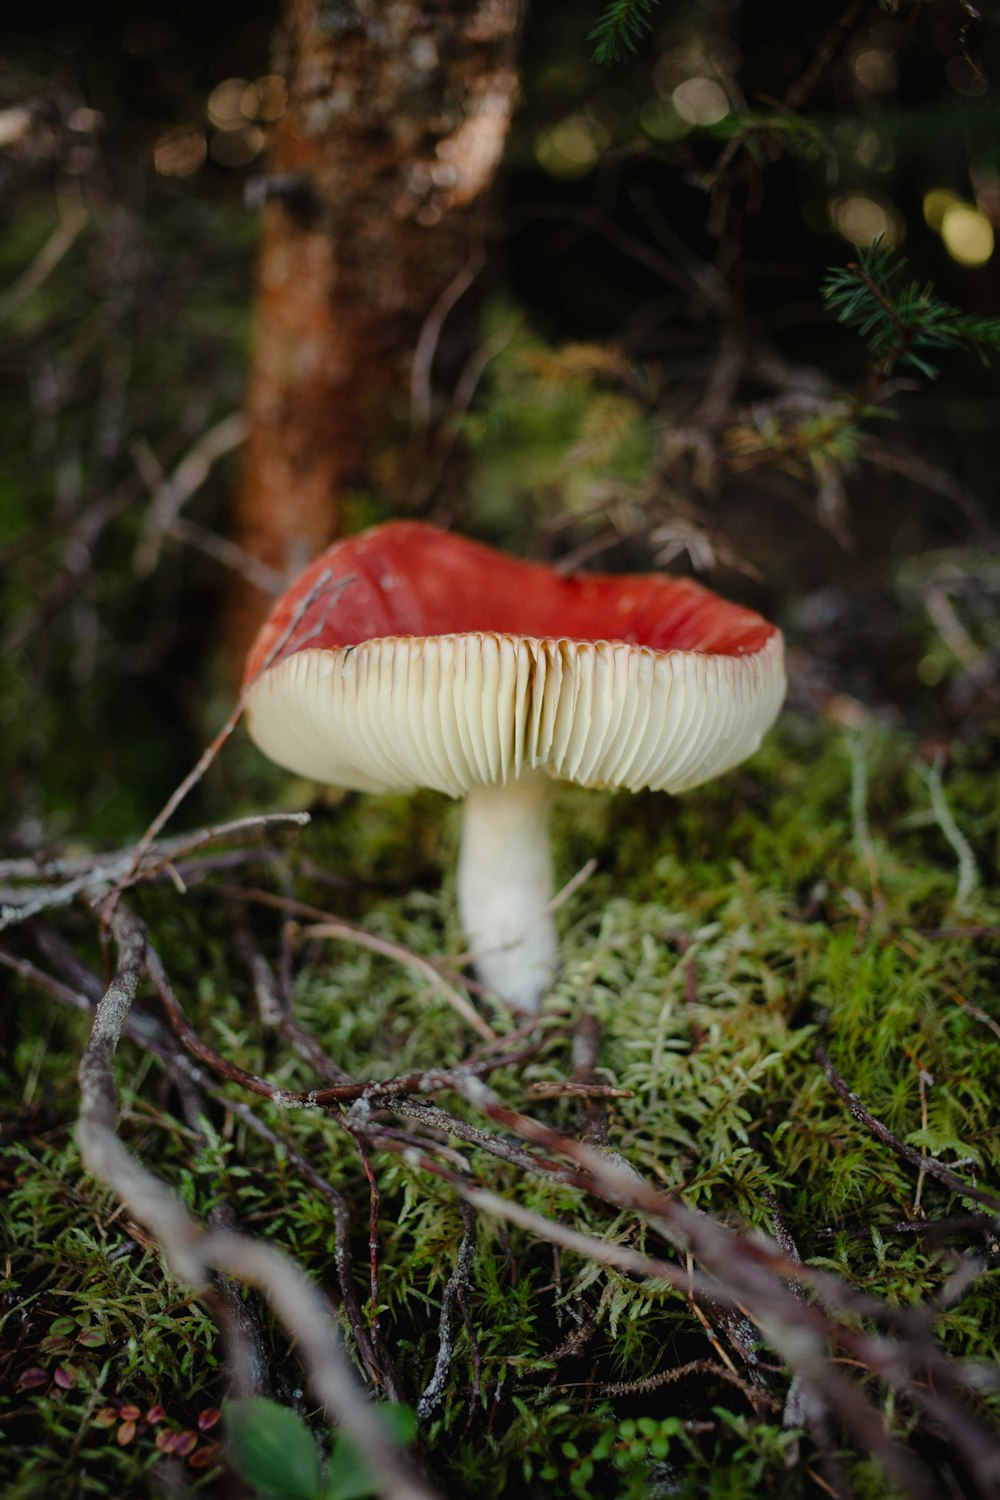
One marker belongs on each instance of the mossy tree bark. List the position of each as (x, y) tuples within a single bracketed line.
[(377, 204)]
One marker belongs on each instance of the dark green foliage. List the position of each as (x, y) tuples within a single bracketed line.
[(898, 317), (621, 28), (273, 1450)]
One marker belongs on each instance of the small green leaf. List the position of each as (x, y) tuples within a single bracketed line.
[(401, 1421), (271, 1448), (350, 1477)]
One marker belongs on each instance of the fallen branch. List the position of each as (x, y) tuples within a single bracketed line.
[(93, 876)]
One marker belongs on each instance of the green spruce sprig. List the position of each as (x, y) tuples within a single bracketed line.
[(899, 318), (621, 28)]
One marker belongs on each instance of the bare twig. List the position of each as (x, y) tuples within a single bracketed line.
[(350, 932), (593, 1110), (229, 554), (93, 876), (322, 585), (928, 1164), (188, 477), (430, 334), (58, 244), (347, 932), (147, 1032)]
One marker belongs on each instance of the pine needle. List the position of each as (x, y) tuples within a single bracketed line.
[(621, 28), (897, 317)]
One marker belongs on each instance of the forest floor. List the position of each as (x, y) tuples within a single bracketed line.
[(828, 912)]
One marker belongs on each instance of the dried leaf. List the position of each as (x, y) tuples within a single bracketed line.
[(204, 1458)]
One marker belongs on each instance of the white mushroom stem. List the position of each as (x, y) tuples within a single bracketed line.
[(504, 887)]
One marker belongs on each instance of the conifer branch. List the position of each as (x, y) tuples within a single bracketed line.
[(898, 317), (621, 28)]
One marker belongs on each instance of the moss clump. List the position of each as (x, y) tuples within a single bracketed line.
[(808, 895)]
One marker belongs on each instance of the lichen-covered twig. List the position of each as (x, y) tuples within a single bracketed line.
[(93, 876), (458, 1281)]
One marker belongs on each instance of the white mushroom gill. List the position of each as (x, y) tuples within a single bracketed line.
[(495, 718), (504, 887)]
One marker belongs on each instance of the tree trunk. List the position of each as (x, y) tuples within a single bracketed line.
[(376, 214)]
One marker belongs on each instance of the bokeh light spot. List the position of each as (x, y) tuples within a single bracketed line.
[(660, 120), (936, 204), (701, 101), (876, 71), (965, 77), (180, 151), (967, 234), (272, 94), (571, 148), (861, 219), (237, 148), (225, 104)]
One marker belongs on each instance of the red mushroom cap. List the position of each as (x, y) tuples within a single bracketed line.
[(410, 579), (335, 657)]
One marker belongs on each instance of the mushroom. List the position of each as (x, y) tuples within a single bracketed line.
[(445, 664)]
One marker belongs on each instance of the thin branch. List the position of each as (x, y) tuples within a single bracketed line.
[(188, 477), (928, 1164), (430, 334), (229, 554), (93, 876), (56, 247), (350, 932), (209, 754), (347, 932)]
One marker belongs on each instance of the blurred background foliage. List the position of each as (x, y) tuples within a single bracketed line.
[(659, 380)]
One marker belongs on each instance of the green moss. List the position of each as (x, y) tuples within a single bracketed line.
[(718, 937)]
